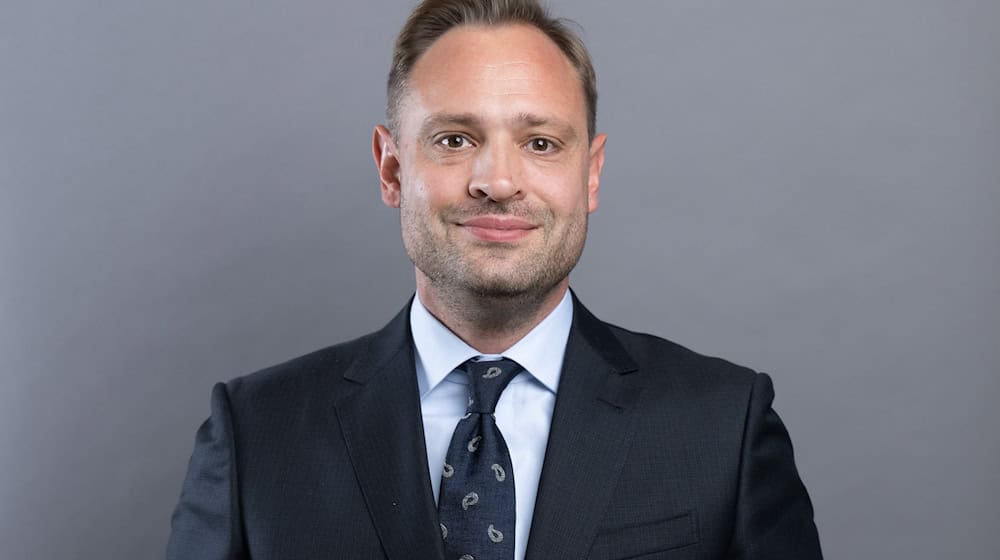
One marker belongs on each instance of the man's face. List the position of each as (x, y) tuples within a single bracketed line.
[(491, 165)]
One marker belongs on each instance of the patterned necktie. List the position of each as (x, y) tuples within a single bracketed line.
[(476, 503)]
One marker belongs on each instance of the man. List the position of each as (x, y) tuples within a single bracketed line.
[(494, 417)]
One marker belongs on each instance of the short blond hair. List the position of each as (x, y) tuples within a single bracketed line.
[(433, 18)]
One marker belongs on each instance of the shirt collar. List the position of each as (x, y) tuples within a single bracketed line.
[(439, 351)]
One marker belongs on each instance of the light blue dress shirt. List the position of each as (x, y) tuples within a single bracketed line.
[(524, 412)]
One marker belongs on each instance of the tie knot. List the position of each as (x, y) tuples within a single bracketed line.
[(487, 380)]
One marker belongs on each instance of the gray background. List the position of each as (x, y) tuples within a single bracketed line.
[(806, 188)]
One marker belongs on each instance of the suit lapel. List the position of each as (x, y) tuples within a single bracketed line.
[(380, 421), (592, 428)]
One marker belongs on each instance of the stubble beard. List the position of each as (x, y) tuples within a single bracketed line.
[(491, 284)]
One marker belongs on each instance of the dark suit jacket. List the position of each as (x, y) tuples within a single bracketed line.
[(655, 452)]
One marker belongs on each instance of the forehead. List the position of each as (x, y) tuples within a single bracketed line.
[(495, 72)]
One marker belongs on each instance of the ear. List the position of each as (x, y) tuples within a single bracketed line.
[(387, 161), (594, 174)]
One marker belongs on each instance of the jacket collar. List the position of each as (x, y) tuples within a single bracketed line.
[(379, 417), (592, 428)]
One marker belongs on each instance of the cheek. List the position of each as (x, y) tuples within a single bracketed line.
[(413, 186), (564, 194), (436, 185), (428, 201)]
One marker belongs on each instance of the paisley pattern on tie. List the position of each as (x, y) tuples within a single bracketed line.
[(499, 472), (495, 536), (470, 499), (476, 505)]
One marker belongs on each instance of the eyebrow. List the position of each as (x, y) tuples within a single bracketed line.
[(469, 120)]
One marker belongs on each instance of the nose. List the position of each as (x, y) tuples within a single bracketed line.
[(495, 175)]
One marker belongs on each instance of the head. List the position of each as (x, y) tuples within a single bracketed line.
[(490, 153)]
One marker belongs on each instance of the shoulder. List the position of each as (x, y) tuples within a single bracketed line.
[(686, 392), (319, 377), (664, 363), (300, 381)]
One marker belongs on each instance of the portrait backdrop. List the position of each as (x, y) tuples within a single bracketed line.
[(811, 189)]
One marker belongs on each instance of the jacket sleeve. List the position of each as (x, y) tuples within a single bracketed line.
[(206, 525), (774, 517)]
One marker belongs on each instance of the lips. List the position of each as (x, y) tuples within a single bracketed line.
[(498, 228)]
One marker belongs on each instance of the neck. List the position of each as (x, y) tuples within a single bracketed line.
[(491, 325)]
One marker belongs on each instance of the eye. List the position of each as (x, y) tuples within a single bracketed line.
[(454, 141), (541, 145)]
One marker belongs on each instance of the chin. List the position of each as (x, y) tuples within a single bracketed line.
[(499, 291), (507, 287)]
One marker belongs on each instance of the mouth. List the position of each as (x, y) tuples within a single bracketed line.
[(498, 228)]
